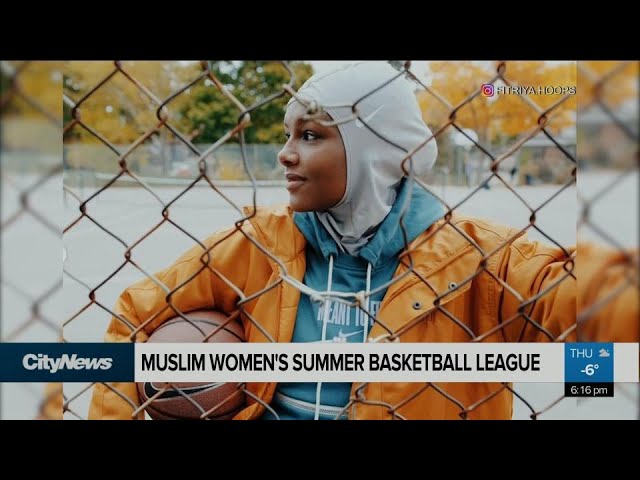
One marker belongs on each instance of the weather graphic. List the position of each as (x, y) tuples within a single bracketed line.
[(588, 369)]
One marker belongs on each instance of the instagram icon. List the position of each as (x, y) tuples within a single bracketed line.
[(487, 90)]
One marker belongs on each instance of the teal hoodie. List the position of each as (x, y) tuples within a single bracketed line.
[(296, 401)]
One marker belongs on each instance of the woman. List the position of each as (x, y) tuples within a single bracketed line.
[(356, 222)]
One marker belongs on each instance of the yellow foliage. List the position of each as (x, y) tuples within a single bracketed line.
[(611, 82), (502, 114), (38, 91), (126, 105), (540, 74)]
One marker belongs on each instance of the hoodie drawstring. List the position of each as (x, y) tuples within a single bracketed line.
[(367, 303), (325, 320)]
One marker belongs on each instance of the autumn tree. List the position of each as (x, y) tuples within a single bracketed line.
[(609, 91), (611, 82), (38, 91), (119, 110), (31, 106), (499, 117)]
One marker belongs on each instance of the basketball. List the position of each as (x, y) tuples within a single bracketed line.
[(187, 400)]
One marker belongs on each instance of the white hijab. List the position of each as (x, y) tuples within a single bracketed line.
[(373, 165)]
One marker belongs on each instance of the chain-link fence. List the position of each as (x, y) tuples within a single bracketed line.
[(608, 196), (115, 236), (31, 225)]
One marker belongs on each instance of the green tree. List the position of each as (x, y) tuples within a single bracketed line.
[(206, 109), (121, 112)]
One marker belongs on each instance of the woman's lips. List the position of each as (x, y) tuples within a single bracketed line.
[(294, 181), (294, 184)]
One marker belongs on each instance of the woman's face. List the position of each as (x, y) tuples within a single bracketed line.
[(315, 162)]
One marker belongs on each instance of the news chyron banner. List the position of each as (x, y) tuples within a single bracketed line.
[(586, 369)]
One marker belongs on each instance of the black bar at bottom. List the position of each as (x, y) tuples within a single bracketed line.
[(576, 389)]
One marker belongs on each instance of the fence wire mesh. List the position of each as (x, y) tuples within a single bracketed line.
[(31, 225), (142, 223), (608, 192)]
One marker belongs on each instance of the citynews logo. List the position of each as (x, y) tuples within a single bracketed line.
[(32, 361)]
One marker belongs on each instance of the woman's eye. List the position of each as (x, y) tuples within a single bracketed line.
[(309, 136)]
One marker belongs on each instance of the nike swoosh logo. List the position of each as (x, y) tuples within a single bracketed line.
[(346, 335), (150, 390), (368, 118)]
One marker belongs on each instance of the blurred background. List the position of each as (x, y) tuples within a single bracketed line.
[(31, 222), (121, 112), (608, 202)]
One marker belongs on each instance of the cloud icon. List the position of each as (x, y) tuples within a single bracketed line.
[(604, 353)]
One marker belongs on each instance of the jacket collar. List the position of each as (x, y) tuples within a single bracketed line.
[(420, 210), (431, 250), (444, 261)]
